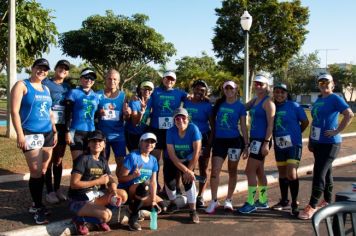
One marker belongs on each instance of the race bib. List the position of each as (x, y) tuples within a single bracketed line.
[(58, 114), (315, 133), (165, 122), (111, 115), (255, 147), (34, 141), (233, 154), (284, 141)]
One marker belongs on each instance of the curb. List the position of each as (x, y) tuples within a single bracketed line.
[(64, 227), (66, 172)]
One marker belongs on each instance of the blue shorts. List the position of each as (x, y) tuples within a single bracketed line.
[(291, 155), (118, 147), (76, 206)]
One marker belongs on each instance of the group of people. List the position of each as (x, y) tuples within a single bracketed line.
[(163, 122)]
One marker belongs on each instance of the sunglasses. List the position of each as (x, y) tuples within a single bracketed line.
[(180, 117), (325, 82), (146, 89), (88, 78)]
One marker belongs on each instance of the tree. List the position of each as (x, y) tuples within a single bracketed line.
[(277, 33), (126, 44), (34, 28), (299, 74), (344, 78), (205, 68)]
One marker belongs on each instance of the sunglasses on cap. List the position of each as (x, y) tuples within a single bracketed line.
[(180, 117), (146, 89), (257, 83)]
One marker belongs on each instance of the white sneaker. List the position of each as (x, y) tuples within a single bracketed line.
[(212, 206), (60, 195), (52, 198), (228, 205)]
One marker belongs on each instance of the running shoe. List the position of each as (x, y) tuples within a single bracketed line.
[(40, 217), (60, 195), (307, 213), (52, 198), (247, 208), (172, 208), (200, 202), (212, 207), (133, 223), (295, 209), (260, 205), (281, 205), (194, 216), (228, 205), (81, 228), (104, 227), (32, 209), (322, 204)]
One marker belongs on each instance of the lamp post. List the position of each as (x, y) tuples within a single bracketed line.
[(246, 22)]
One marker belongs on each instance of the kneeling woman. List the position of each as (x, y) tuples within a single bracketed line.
[(138, 177), (183, 147), (92, 187)]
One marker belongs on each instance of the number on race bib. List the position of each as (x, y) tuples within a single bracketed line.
[(165, 122), (34, 141), (315, 133), (284, 141), (255, 147), (233, 154), (111, 115)]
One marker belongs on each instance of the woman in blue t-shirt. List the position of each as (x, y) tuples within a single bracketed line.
[(325, 141), (36, 131), (183, 147), (80, 106), (137, 124), (262, 112), (199, 109), (228, 143), (138, 177), (289, 124)]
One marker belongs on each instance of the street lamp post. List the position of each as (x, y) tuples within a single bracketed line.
[(246, 22)]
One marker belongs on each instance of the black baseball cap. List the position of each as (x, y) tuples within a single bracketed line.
[(41, 62), (281, 86), (96, 135), (63, 63)]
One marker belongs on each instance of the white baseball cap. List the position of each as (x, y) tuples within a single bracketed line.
[(327, 77), (261, 78), (147, 84), (170, 74), (146, 136), (230, 83)]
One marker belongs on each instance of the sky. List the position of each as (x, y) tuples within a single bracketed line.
[(188, 24)]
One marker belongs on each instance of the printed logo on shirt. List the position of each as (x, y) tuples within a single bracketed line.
[(88, 108), (315, 111), (278, 121), (166, 104), (224, 118)]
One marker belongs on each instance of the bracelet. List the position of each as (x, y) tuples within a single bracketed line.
[(266, 141)]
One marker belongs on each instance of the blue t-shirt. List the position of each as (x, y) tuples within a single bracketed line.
[(286, 130), (227, 119), (199, 113), (111, 119), (133, 161), (163, 103), (141, 127), (85, 106), (58, 95), (35, 109), (258, 121), (325, 113), (183, 146)]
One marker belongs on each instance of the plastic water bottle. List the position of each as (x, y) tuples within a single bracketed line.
[(153, 221), (115, 201)]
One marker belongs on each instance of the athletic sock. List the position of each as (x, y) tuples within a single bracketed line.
[(36, 188), (283, 186), (48, 178), (294, 189), (251, 195), (262, 194), (57, 176)]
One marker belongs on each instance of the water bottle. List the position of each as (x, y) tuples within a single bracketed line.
[(115, 201), (153, 217)]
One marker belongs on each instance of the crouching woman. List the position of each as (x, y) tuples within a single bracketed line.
[(92, 187)]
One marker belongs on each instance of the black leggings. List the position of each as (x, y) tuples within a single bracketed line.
[(170, 172), (324, 155)]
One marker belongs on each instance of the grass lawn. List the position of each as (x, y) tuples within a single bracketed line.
[(12, 159), (3, 104)]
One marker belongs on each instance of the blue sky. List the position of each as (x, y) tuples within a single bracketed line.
[(188, 24)]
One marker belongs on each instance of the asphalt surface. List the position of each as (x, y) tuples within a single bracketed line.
[(15, 200)]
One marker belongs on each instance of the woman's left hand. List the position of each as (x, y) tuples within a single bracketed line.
[(265, 149), (330, 133), (245, 153), (188, 176)]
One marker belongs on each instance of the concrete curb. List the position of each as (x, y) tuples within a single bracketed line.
[(66, 172), (65, 227)]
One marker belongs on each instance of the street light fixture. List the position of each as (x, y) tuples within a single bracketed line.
[(246, 22)]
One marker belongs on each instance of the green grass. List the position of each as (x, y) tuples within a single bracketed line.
[(3, 104)]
